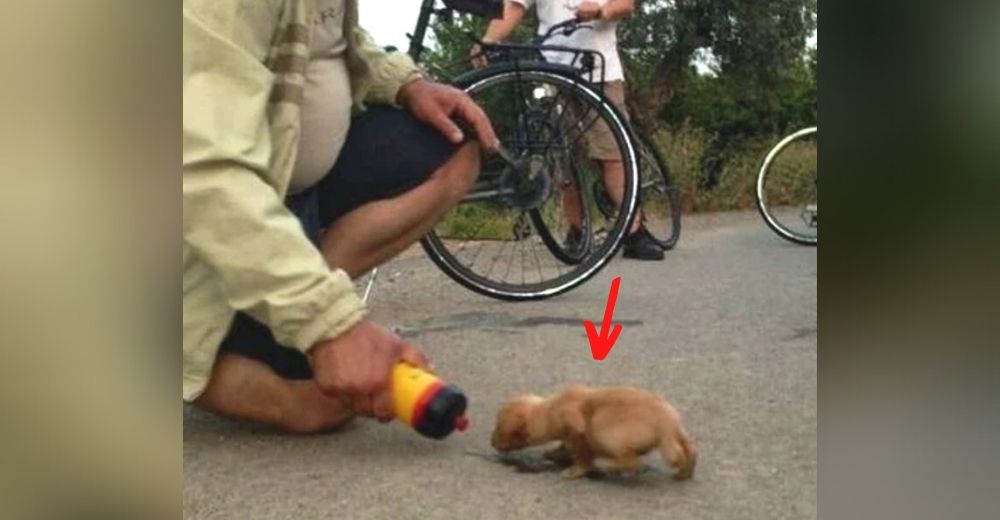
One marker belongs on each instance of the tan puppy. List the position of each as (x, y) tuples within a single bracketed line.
[(618, 423)]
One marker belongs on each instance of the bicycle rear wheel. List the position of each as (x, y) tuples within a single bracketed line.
[(659, 198), (787, 188), (506, 239)]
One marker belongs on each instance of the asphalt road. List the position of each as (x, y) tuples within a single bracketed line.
[(725, 328)]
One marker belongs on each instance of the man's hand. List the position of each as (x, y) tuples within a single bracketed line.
[(587, 11), (435, 104), (479, 60), (358, 364)]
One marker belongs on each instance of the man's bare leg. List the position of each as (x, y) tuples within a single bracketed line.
[(377, 231), (244, 389), (613, 176), (571, 205), (614, 182)]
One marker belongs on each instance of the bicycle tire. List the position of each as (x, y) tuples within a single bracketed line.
[(657, 183), (599, 257), (765, 210)]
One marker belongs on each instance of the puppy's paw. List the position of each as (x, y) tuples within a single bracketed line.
[(628, 468), (624, 472), (574, 472), (684, 474), (559, 455)]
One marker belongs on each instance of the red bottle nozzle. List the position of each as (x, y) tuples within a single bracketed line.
[(461, 423)]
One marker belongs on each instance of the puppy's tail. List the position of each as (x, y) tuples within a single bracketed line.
[(678, 451)]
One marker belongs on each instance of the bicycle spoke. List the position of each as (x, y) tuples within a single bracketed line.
[(495, 258), (479, 251), (506, 274), (522, 266), (538, 262)]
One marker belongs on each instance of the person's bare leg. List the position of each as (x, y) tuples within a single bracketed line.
[(244, 389), (571, 204), (614, 181), (377, 231)]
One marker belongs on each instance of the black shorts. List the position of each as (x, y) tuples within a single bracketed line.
[(387, 152)]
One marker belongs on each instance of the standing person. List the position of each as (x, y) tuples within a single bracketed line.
[(310, 156), (603, 15)]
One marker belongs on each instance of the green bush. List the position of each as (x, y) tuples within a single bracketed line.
[(475, 222), (684, 149)]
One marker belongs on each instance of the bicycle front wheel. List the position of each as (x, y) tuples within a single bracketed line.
[(524, 231), (787, 188)]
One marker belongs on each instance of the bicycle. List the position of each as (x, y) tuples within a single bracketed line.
[(539, 110), (787, 196), (658, 196)]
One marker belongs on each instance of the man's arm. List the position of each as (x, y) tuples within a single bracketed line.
[(612, 11), (617, 9), (396, 80), (389, 70), (499, 30)]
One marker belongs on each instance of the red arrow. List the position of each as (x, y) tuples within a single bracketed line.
[(601, 344)]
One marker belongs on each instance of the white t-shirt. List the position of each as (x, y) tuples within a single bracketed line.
[(602, 38)]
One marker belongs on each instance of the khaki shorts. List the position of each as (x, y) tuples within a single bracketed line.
[(598, 142)]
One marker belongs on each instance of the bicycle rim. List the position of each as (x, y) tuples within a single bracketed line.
[(787, 187)]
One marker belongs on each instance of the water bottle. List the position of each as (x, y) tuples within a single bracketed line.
[(426, 403)]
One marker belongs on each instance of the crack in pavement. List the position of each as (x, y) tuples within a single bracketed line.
[(801, 332), (494, 322)]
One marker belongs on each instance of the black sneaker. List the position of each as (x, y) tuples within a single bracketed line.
[(641, 246)]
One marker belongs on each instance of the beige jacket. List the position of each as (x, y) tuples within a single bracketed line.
[(244, 63)]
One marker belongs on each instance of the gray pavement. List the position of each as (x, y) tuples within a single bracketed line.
[(725, 328)]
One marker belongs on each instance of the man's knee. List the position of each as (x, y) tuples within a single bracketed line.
[(458, 174)]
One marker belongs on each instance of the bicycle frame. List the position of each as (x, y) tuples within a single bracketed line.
[(589, 62), (420, 31), (583, 62)]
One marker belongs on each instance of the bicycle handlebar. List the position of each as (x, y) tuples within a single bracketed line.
[(566, 27)]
